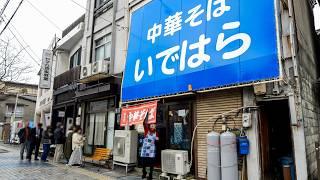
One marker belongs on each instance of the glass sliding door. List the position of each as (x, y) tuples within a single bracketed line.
[(180, 126), (89, 132), (100, 126), (110, 129), (90, 128)]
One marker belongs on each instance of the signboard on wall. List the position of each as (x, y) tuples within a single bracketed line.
[(47, 117), (180, 45), (61, 113), (137, 114), (46, 69)]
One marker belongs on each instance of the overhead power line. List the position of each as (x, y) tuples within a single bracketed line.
[(19, 34), (11, 17), (27, 45), (4, 7), (43, 15), (24, 47)]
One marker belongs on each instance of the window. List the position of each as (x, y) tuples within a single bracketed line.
[(100, 3), (103, 48), (75, 59), (10, 110)]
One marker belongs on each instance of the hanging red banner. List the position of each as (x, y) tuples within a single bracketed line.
[(136, 114)]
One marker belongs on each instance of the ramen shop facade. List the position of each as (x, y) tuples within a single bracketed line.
[(197, 61)]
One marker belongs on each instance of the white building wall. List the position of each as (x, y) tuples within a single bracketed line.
[(62, 62), (103, 26)]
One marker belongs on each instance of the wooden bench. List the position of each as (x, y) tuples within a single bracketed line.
[(100, 156)]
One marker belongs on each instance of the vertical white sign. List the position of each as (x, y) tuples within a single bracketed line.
[(46, 69)]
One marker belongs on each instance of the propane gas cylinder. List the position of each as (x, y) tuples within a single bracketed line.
[(229, 159), (213, 156)]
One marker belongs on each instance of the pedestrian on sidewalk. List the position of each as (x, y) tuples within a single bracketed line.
[(32, 143), (77, 144), (24, 136), (68, 144), (148, 151), (47, 138), (37, 131), (59, 139)]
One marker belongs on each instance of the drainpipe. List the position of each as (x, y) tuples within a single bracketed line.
[(293, 39), (127, 24), (113, 35), (92, 31), (13, 118)]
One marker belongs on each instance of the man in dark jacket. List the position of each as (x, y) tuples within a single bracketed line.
[(37, 133), (31, 143), (25, 140), (47, 140), (59, 139)]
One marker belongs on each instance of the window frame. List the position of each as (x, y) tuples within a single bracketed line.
[(99, 3), (19, 110), (72, 64), (106, 40)]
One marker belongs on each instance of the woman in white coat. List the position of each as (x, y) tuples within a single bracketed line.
[(77, 144)]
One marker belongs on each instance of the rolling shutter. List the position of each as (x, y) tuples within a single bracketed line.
[(208, 105)]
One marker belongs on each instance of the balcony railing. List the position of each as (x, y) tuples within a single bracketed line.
[(67, 77)]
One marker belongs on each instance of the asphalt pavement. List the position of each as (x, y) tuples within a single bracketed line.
[(12, 168)]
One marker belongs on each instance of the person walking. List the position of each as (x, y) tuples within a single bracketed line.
[(32, 143), (47, 138), (68, 144), (59, 139), (37, 131), (148, 151), (77, 144), (24, 136)]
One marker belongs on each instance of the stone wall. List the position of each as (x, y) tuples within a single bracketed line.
[(308, 74), (310, 110)]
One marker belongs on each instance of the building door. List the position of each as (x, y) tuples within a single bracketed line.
[(99, 125), (69, 118), (174, 127), (275, 140), (179, 126), (95, 132)]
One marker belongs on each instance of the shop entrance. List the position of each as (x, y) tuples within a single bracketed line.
[(174, 127), (276, 144), (99, 125)]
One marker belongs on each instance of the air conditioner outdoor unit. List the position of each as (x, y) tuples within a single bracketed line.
[(85, 71), (102, 66), (125, 146), (175, 162)]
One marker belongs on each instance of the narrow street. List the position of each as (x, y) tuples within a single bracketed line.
[(11, 167)]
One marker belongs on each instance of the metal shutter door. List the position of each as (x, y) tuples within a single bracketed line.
[(208, 105)]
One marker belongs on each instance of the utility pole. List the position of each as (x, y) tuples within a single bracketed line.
[(13, 118)]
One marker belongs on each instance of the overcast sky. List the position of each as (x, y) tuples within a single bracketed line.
[(36, 30)]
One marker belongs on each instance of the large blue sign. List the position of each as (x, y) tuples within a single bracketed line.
[(176, 44)]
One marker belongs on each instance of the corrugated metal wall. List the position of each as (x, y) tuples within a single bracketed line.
[(208, 105)]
